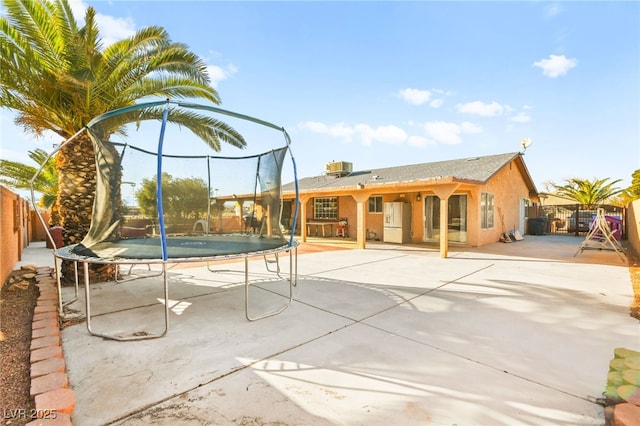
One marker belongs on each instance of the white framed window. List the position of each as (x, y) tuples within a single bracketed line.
[(486, 210), (375, 204), (325, 208)]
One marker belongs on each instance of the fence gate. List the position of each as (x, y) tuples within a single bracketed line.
[(573, 219)]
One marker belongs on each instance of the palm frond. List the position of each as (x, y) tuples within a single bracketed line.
[(211, 130), (589, 192), (18, 176)]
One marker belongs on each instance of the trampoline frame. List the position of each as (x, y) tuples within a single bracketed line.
[(65, 253)]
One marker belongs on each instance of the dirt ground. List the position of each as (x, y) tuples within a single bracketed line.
[(17, 302), (634, 271)]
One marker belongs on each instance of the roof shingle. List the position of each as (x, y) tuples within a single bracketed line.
[(478, 169)]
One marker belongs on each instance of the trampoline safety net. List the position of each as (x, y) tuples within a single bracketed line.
[(203, 205)]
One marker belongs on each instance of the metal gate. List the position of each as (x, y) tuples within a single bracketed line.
[(574, 219)]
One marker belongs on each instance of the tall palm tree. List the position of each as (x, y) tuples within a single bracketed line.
[(634, 189), (590, 193), (57, 76), (17, 175)]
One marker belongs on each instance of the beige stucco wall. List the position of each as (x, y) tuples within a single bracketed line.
[(633, 225), (37, 229), (509, 188), (347, 207), (14, 230)]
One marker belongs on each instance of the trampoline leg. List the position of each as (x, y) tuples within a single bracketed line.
[(246, 293), (276, 260), (136, 336), (87, 297), (216, 270), (130, 273), (293, 275), (61, 303), (57, 267), (76, 279), (166, 299)]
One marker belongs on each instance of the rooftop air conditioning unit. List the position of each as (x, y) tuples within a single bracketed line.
[(338, 168)]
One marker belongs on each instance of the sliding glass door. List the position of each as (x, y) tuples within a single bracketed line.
[(456, 222)]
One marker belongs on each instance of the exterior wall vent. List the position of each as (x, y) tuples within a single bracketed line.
[(338, 168)]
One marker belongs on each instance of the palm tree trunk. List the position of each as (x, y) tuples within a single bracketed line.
[(76, 192), (77, 186)]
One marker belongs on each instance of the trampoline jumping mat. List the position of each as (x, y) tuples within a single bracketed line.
[(181, 247)]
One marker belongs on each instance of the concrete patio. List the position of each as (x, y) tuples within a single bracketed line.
[(518, 333)]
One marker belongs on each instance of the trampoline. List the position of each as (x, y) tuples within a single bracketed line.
[(186, 203)]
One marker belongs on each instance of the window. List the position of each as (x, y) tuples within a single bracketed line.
[(375, 204), (325, 208), (486, 210)]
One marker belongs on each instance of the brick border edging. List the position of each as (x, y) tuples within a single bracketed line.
[(54, 400), (623, 389)]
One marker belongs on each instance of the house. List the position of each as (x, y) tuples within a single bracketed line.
[(478, 198)]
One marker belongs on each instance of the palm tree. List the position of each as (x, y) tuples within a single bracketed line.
[(57, 76), (590, 193), (634, 189), (18, 176)]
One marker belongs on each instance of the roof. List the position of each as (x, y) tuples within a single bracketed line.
[(471, 169)]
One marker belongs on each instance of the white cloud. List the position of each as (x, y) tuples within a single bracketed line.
[(113, 29), (218, 73), (521, 117), (446, 132), (78, 7), (365, 133), (419, 141), (436, 103), (387, 134), (390, 134), (481, 108), (468, 127), (336, 130), (556, 65), (449, 133), (553, 10), (414, 96)]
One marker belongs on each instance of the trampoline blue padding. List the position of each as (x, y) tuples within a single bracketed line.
[(180, 247)]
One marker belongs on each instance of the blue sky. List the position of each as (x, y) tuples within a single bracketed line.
[(384, 84)]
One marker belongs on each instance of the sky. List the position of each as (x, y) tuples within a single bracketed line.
[(382, 84)]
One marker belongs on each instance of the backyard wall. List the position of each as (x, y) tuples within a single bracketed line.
[(19, 225), (14, 230), (633, 225), (36, 229)]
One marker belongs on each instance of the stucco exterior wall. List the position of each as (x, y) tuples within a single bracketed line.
[(375, 220), (37, 231), (633, 225), (14, 230), (509, 189), (375, 225)]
